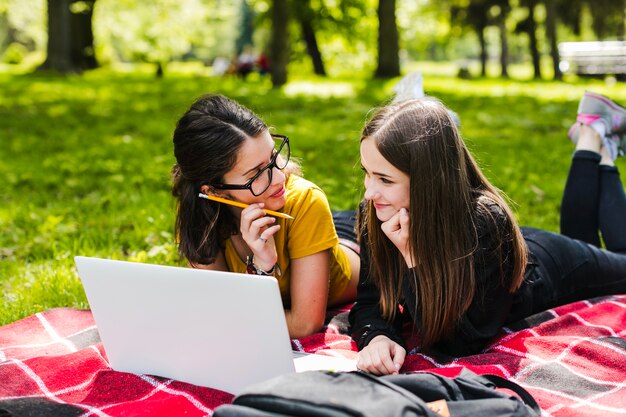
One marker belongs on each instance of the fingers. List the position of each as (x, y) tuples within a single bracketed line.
[(267, 235), (404, 218), (391, 226), (383, 357), (397, 230), (258, 230), (255, 224), (399, 222), (376, 364), (399, 354)]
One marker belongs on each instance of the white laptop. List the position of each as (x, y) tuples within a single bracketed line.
[(216, 329)]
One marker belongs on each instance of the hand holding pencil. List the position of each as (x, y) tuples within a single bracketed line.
[(242, 205)]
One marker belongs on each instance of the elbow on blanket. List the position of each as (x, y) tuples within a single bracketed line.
[(304, 328)]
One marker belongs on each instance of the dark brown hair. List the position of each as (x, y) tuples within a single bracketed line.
[(448, 192), (207, 140)]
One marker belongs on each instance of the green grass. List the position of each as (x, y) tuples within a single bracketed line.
[(85, 161)]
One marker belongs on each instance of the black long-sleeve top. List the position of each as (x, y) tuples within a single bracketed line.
[(480, 323)]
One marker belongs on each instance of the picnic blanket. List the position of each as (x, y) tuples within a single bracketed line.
[(572, 359)]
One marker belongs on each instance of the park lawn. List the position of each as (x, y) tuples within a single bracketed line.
[(85, 160)]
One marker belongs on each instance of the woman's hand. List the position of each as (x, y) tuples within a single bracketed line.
[(397, 230), (382, 356), (257, 230)]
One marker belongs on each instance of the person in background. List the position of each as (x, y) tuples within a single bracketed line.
[(245, 62), (263, 63), (440, 246)]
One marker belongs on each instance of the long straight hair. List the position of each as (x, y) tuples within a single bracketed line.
[(447, 192), (207, 140)]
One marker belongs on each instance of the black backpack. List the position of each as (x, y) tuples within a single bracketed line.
[(344, 394)]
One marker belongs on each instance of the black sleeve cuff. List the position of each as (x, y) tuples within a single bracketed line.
[(365, 334)]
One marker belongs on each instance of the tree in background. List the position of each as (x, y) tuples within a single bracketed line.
[(480, 20), (503, 9), (479, 14), (608, 21), (21, 30), (306, 17), (339, 36), (246, 27), (550, 24), (339, 26), (279, 42), (607, 17), (332, 31), (58, 50), (621, 23), (82, 51), (7, 34), (388, 40), (155, 32), (70, 36), (529, 26), (474, 15)]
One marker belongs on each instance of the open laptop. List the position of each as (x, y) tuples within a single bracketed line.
[(216, 329)]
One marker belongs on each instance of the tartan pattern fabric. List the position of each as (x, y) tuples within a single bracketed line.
[(572, 359)]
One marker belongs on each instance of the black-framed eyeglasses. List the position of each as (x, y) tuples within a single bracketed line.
[(262, 179)]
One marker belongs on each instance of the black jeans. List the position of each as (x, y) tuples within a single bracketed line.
[(571, 266), (345, 223), (594, 201)]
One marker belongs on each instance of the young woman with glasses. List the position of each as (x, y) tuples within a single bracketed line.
[(224, 150), (441, 249)]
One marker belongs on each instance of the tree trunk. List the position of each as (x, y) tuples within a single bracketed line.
[(312, 48), (621, 28), (59, 42), (305, 16), (532, 39), (246, 27), (483, 51), (82, 51), (70, 37), (279, 43), (388, 43), (504, 45), (9, 36), (551, 34)]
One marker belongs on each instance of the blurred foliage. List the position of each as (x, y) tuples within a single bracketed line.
[(175, 30), (154, 31), (14, 54), (23, 22)]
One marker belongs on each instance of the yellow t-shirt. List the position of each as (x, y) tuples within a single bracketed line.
[(311, 231)]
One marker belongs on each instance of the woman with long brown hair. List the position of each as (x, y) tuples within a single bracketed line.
[(440, 246)]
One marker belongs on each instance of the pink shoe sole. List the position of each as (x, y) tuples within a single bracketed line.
[(587, 118)]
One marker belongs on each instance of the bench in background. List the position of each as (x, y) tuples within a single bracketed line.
[(593, 58)]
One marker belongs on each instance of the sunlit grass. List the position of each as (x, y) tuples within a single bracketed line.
[(85, 160), (320, 89)]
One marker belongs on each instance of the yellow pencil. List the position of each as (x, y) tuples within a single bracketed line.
[(242, 205)]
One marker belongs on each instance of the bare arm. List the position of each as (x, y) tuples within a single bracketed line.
[(309, 294)]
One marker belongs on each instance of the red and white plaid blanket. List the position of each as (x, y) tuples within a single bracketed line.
[(571, 359)]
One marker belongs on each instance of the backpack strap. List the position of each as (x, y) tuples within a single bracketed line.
[(500, 382)]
